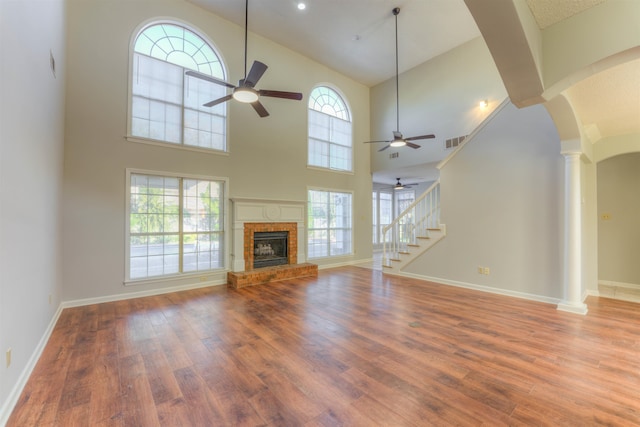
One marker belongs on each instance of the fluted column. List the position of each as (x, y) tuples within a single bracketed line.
[(572, 301)]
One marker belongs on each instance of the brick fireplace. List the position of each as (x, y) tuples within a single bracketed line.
[(250, 216), (250, 228)]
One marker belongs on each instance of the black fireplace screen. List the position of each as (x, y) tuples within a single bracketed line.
[(270, 248)]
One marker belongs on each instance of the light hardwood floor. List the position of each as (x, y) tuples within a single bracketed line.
[(350, 347)]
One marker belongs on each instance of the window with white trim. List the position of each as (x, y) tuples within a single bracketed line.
[(175, 225), (382, 213), (166, 104), (330, 140), (329, 231)]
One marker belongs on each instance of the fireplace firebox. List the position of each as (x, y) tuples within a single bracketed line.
[(270, 248)]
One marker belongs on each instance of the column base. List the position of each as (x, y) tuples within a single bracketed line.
[(579, 308)]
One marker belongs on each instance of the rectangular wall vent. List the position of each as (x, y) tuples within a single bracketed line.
[(394, 155), (454, 142)]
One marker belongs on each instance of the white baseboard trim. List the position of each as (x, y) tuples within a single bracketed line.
[(619, 284), (343, 264), (141, 294), (14, 395), (573, 308), (473, 286), (591, 293)]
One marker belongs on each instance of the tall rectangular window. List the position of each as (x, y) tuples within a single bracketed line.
[(175, 225), (385, 207), (329, 231), (405, 226), (329, 141), (374, 217), (166, 105)]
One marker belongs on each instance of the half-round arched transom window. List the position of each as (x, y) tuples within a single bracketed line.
[(330, 141), (166, 104)]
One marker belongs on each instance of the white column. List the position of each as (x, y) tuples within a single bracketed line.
[(572, 236)]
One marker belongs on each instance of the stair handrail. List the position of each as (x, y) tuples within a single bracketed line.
[(416, 218)]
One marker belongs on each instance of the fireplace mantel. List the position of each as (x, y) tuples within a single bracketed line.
[(253, 210)]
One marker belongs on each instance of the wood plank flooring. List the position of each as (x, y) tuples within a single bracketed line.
[(350, 347)]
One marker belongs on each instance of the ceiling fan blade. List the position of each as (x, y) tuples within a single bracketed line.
[(414, 138), (280, 94), (218, 101), (257, 70), (262, 112), (208, 78), (384, 148), (373, 142), (412, 145)]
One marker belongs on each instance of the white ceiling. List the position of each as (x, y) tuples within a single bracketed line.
[(357, 38)]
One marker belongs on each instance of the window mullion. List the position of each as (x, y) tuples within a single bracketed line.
[(329, 217), (180, 225), (184, 90)]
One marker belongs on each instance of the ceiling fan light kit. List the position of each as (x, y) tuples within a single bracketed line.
[(245, 91), (245, 94), (398, 140)]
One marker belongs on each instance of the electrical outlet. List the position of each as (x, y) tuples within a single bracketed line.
[(605, 216), (8, 355), (480, 270), (203, 278), (486, 271)]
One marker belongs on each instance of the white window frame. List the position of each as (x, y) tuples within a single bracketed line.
[(351, 230), (347, 110), (180, 146), (180, 275), (377, 225)]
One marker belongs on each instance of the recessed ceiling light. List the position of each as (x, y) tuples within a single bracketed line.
[(301, 6)]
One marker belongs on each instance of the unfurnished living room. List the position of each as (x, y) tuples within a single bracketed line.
[(320, 212)]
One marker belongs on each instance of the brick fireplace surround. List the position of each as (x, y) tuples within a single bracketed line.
[(256, 215), (258, 227)]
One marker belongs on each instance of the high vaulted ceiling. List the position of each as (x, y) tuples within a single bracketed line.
[(356, 38)]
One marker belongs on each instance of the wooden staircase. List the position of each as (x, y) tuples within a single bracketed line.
[(413, 232)]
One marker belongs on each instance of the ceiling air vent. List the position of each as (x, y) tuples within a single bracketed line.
[(454, 142)]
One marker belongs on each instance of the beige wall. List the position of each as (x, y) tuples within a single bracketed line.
[(442, 97), (501, 198), (618, 219), (97, 152), (31, 148)]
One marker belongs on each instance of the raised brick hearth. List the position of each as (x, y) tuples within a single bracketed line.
[(261, 276)]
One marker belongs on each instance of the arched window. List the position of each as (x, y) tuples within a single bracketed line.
[(166, 104), (330, 142)]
